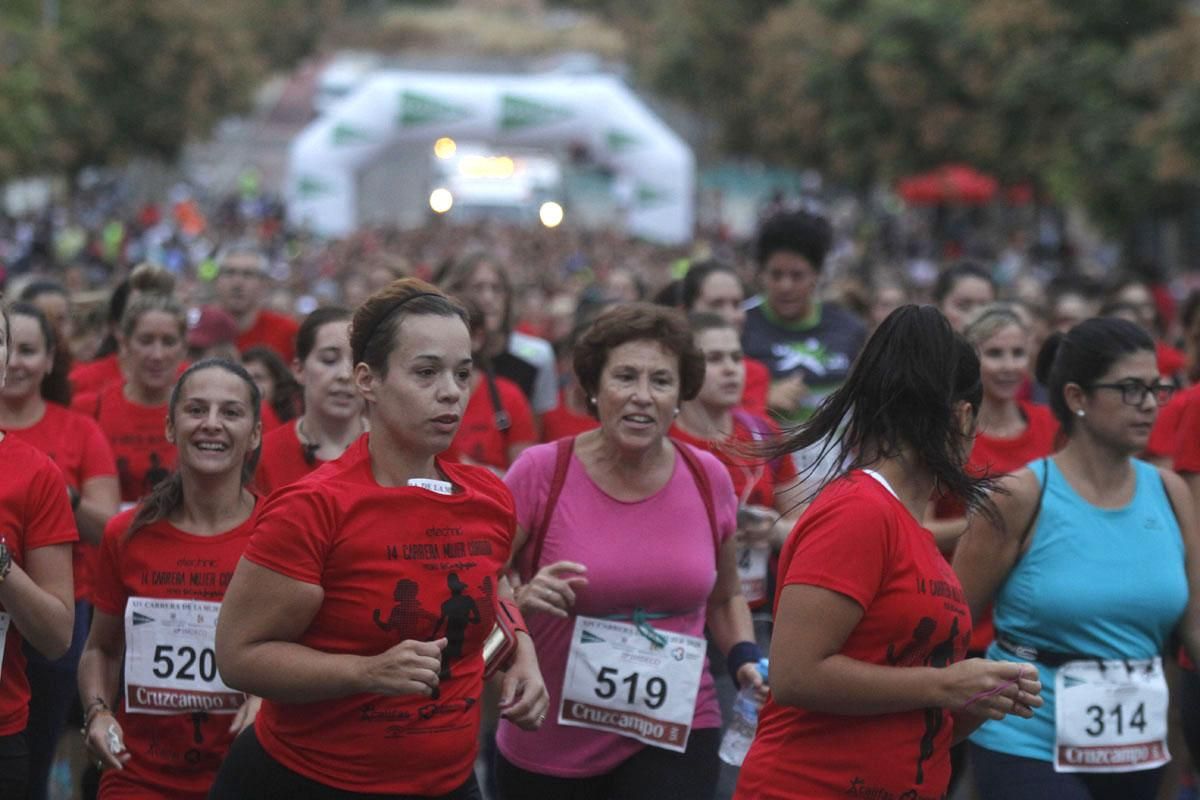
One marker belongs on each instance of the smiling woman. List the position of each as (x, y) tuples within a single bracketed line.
[(360, 610), (171, 560), (30, 411), (131, 412)]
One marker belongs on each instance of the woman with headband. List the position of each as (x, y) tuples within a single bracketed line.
[(361, 606)]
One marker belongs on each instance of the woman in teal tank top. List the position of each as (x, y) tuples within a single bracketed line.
[(1089, 575)]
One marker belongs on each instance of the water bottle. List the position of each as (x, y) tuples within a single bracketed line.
[(740, 733)]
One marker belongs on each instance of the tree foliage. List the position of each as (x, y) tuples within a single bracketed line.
[(1097, 103), (109, 81)]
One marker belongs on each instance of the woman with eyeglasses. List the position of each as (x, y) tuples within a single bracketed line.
[(333, 411), (1089, 566)]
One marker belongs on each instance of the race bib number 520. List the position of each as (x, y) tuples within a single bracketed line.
[(1110, 716), (619, 681), (170, 662)]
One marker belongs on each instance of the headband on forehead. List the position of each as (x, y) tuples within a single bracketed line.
[(392, 309)]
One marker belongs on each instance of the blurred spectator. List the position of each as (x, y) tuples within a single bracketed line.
[(241, 284), (808, 345)]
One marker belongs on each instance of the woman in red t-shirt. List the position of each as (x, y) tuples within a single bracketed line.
[(36, 590), (33, 409), (715, 288), (332, 417), (1010, 433), (712, 421), (868, 683), (162, 572), (280, 391), (361, 606), (132, 413)]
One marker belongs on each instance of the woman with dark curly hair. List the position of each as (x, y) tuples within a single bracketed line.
[(630, 554)]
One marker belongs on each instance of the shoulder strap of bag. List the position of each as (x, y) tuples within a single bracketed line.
[(705, 487), (562, 461), (502, 420)]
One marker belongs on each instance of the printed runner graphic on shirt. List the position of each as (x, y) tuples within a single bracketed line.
[(410, 620)]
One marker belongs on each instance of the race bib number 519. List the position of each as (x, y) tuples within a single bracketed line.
[(618, 681), (170, 662)]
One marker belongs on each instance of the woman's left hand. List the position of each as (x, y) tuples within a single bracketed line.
[(748, 675), (245, 715), (523, 696)]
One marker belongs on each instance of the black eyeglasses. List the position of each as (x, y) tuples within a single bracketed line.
[(1133, 392)]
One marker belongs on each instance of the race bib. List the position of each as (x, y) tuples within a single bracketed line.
[(620, 682), (4, 623), (752, 572), (170, 664), (1110, 716)]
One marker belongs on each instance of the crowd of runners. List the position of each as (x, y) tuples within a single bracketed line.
[(488, 512)]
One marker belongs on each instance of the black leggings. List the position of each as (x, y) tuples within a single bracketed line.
[(249, 771), (14, 766), (999, 776), (651, 774)]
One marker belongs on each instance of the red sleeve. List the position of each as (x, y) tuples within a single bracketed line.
[(1187, 438), (519, 413), (98, 460), (294, 533), (1163, 442), (49, 519), (843, 544), (108, 591), (758, 383)]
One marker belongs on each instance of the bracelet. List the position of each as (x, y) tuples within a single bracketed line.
[(94, 709), (742, 653)]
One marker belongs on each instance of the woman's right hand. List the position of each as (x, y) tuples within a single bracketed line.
[(105, 741), (992, 689), (410, 667), (549, 593)]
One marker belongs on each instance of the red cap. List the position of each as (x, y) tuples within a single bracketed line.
[(212, 327)]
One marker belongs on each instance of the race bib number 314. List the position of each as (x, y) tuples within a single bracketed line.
[(618, 681), (1110, 716), (170, 662)]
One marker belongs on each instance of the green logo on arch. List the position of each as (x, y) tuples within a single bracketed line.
[(309, 187), (521, 112), (345, 134), (417, 108), (647, 196), (619, 141)]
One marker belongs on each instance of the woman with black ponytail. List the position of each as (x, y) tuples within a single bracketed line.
[(161, 576), (868, 683), (1089, 561)]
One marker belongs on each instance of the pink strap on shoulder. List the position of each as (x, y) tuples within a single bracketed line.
[(705, 488), (562, 462)]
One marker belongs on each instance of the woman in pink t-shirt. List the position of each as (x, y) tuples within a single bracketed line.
[(628, 554)]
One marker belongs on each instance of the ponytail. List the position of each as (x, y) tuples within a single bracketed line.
[(164, 499)]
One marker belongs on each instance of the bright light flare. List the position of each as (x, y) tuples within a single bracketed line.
[(551, 214), (441, 201), (445, 148)]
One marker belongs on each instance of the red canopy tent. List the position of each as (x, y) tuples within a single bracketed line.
[(948, 184)]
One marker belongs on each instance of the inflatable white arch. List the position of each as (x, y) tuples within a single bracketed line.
[(411, 110)]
